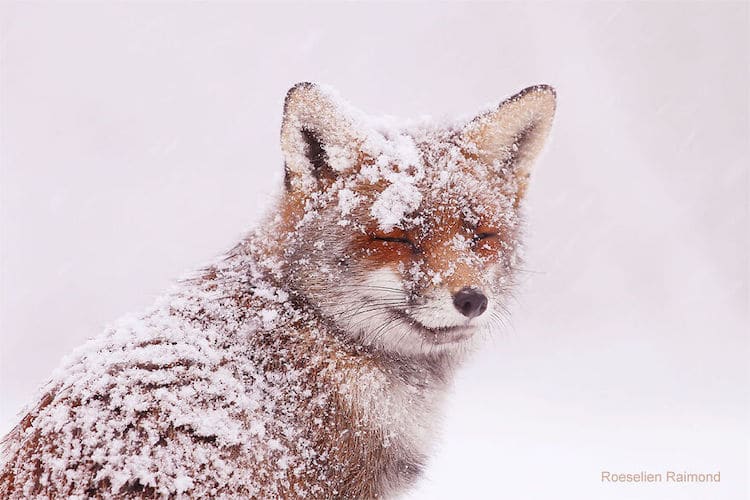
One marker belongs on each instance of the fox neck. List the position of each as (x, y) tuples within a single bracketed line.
[(393, 400)]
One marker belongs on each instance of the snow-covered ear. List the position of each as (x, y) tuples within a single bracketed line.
[(317, 137), (510, 137)]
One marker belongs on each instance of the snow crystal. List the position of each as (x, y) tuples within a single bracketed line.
[(348, 200), (339, 157), (395, 202), (182, 484)]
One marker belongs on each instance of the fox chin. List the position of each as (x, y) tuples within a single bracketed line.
[(311, 360)]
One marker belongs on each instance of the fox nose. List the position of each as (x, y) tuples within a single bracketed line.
[(470, 302)]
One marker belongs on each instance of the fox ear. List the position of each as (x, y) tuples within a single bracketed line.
[(317, 137), (511, 136)]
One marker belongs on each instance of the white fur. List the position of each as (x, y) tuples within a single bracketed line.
[(382, 295)]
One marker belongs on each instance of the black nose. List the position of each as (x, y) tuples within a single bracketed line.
[(470, 302)]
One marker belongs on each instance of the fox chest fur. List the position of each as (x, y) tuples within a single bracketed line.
[(311, 360)]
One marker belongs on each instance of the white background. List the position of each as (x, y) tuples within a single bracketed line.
[(139, 141)]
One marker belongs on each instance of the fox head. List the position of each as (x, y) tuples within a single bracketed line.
[(405, 237)]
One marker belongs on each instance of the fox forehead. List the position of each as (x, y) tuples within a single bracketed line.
[(437, 201)]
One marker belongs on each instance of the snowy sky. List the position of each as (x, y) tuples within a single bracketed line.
[(138, 141)]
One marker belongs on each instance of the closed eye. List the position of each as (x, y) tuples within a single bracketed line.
[(393, 240), (484, 236)]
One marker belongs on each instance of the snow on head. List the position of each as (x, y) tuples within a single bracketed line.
[(401, 196), (398, 199)]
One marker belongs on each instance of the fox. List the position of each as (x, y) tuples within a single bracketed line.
[(312, 359)]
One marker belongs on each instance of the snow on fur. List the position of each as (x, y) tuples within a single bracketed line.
[(269, 373)]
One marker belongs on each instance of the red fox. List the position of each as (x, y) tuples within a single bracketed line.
[(311, 360)]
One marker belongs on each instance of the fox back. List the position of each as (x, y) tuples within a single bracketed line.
[(311, 359)]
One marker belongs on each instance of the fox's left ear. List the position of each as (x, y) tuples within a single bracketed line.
[(318, 137), (510, 137)]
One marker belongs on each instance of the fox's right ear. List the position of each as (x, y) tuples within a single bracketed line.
[(317, 137)]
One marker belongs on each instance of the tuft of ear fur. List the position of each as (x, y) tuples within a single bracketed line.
[(317, 137), (512, 135)]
